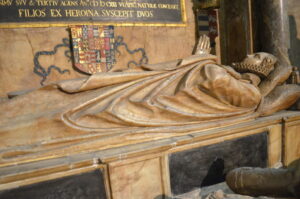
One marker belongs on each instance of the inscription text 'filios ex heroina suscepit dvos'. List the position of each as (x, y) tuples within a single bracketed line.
[(64, 11)]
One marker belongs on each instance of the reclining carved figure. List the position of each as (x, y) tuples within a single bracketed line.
[(194, 92)]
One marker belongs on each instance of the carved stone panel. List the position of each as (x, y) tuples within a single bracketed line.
[(87, 185), (291, 143), (137, 180), (208, 165)]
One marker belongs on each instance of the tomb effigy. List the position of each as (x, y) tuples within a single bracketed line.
[(103, 127), (189, 92)]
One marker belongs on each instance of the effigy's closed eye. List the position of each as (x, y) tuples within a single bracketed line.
[(257, 56)]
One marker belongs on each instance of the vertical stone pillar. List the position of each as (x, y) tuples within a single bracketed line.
[(273, 28), (235, 28), (294, 23)]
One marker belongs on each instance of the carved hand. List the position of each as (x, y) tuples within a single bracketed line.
[(203, 46)]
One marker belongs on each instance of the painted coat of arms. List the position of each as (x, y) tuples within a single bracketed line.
[(93, 48)]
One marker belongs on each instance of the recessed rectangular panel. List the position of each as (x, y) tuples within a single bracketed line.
[(208, 165), (87, 185), (137, 180), (292, 143)]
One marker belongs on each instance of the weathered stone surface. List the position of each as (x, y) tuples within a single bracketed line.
[(235, 30), (18, 47), (273, 34)]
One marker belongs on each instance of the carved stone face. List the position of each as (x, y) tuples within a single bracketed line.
[(260, 59), (258, 63)]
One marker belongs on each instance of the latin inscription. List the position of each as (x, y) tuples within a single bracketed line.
[(101, 11)]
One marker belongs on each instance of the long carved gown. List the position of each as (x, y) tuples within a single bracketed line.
[(192, 93)]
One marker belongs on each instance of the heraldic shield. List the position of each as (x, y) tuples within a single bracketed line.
[(93, 48)]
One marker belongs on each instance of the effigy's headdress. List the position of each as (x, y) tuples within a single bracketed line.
[(262, 69)]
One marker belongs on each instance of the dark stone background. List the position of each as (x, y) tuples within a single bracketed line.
[(10, 14), (294, 50), (208, 165), (84, 186)]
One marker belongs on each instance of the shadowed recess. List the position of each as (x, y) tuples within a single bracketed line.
[(208, 165), (87, 185)]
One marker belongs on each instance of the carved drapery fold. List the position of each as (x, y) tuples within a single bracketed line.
[(192, 91)]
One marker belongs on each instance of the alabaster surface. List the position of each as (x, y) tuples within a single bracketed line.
[(179, 96)]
